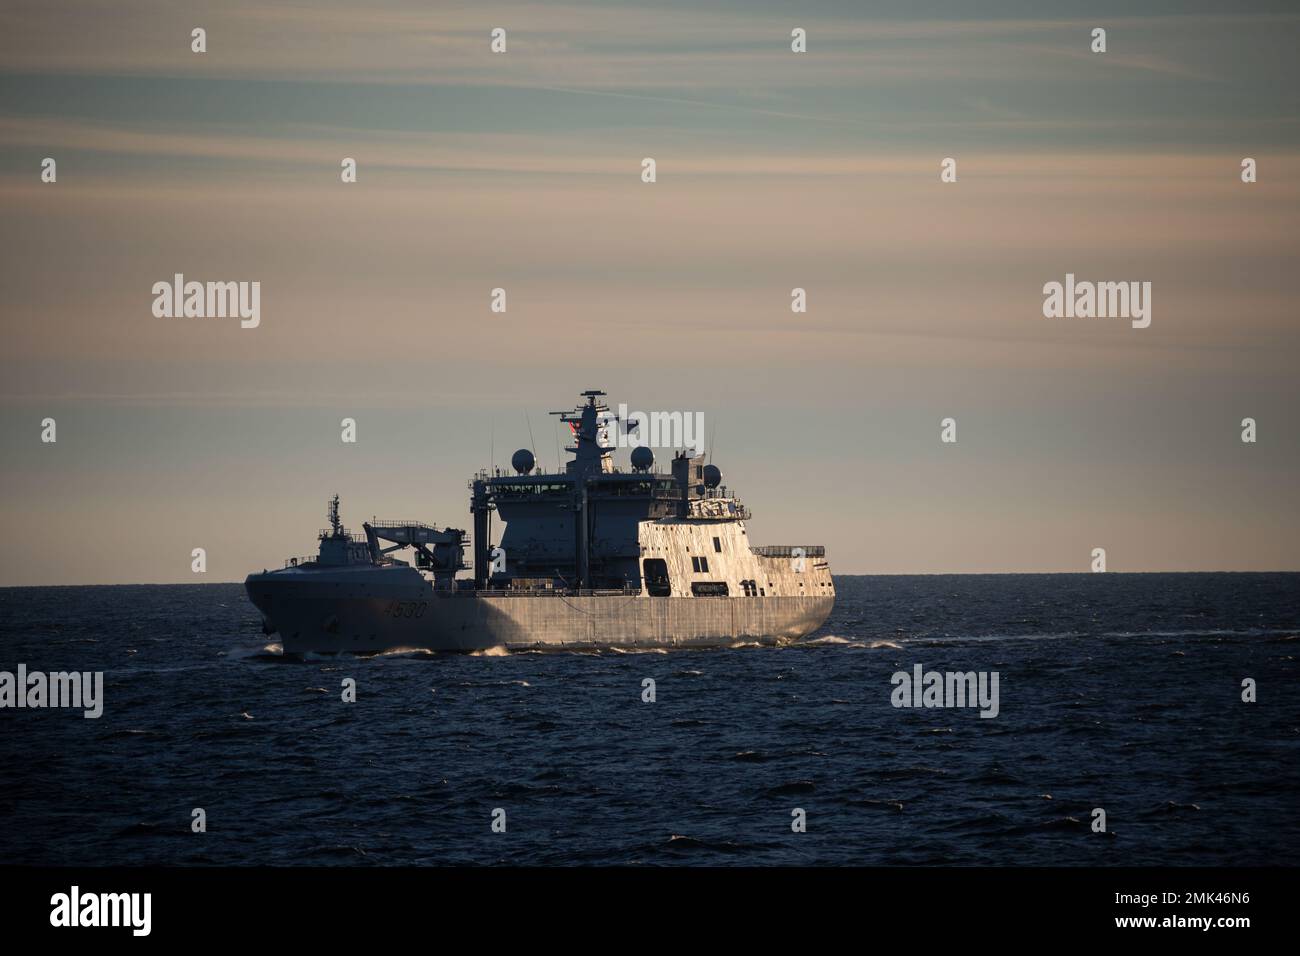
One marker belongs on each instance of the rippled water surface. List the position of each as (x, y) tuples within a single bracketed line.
[(1116, 691)]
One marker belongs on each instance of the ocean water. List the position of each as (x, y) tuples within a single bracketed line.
[(1120, 692)]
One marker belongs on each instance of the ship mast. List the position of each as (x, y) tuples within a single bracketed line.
[(336, 525), (591, 457), (588, 423)]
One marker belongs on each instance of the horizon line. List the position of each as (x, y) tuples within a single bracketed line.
[(889, 574)]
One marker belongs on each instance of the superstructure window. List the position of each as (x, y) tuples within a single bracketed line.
[(699, 565), (656, 577), (717, 545), (709, 589)]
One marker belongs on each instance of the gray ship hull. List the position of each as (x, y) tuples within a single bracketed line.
[(368, 609)]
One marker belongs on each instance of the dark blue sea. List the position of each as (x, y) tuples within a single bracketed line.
[(1119, 692)]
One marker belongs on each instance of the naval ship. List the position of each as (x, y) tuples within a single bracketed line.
[(591, 557)]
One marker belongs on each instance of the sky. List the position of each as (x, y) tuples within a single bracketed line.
[(774, 170)]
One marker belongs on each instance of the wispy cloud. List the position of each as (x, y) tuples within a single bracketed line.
[(597, 46)]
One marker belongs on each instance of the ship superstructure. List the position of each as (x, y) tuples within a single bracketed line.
[(592, 556)]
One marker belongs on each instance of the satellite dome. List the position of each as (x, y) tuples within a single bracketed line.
[(522, 461), (643, 459), (712, 476)]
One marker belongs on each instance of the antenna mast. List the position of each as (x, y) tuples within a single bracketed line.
[(336, 526)]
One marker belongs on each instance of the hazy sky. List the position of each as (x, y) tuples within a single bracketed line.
[(775, 170)]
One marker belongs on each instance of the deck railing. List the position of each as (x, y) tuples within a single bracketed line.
[(788, 550), (358, 536), (543, 592), (377, 523)]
